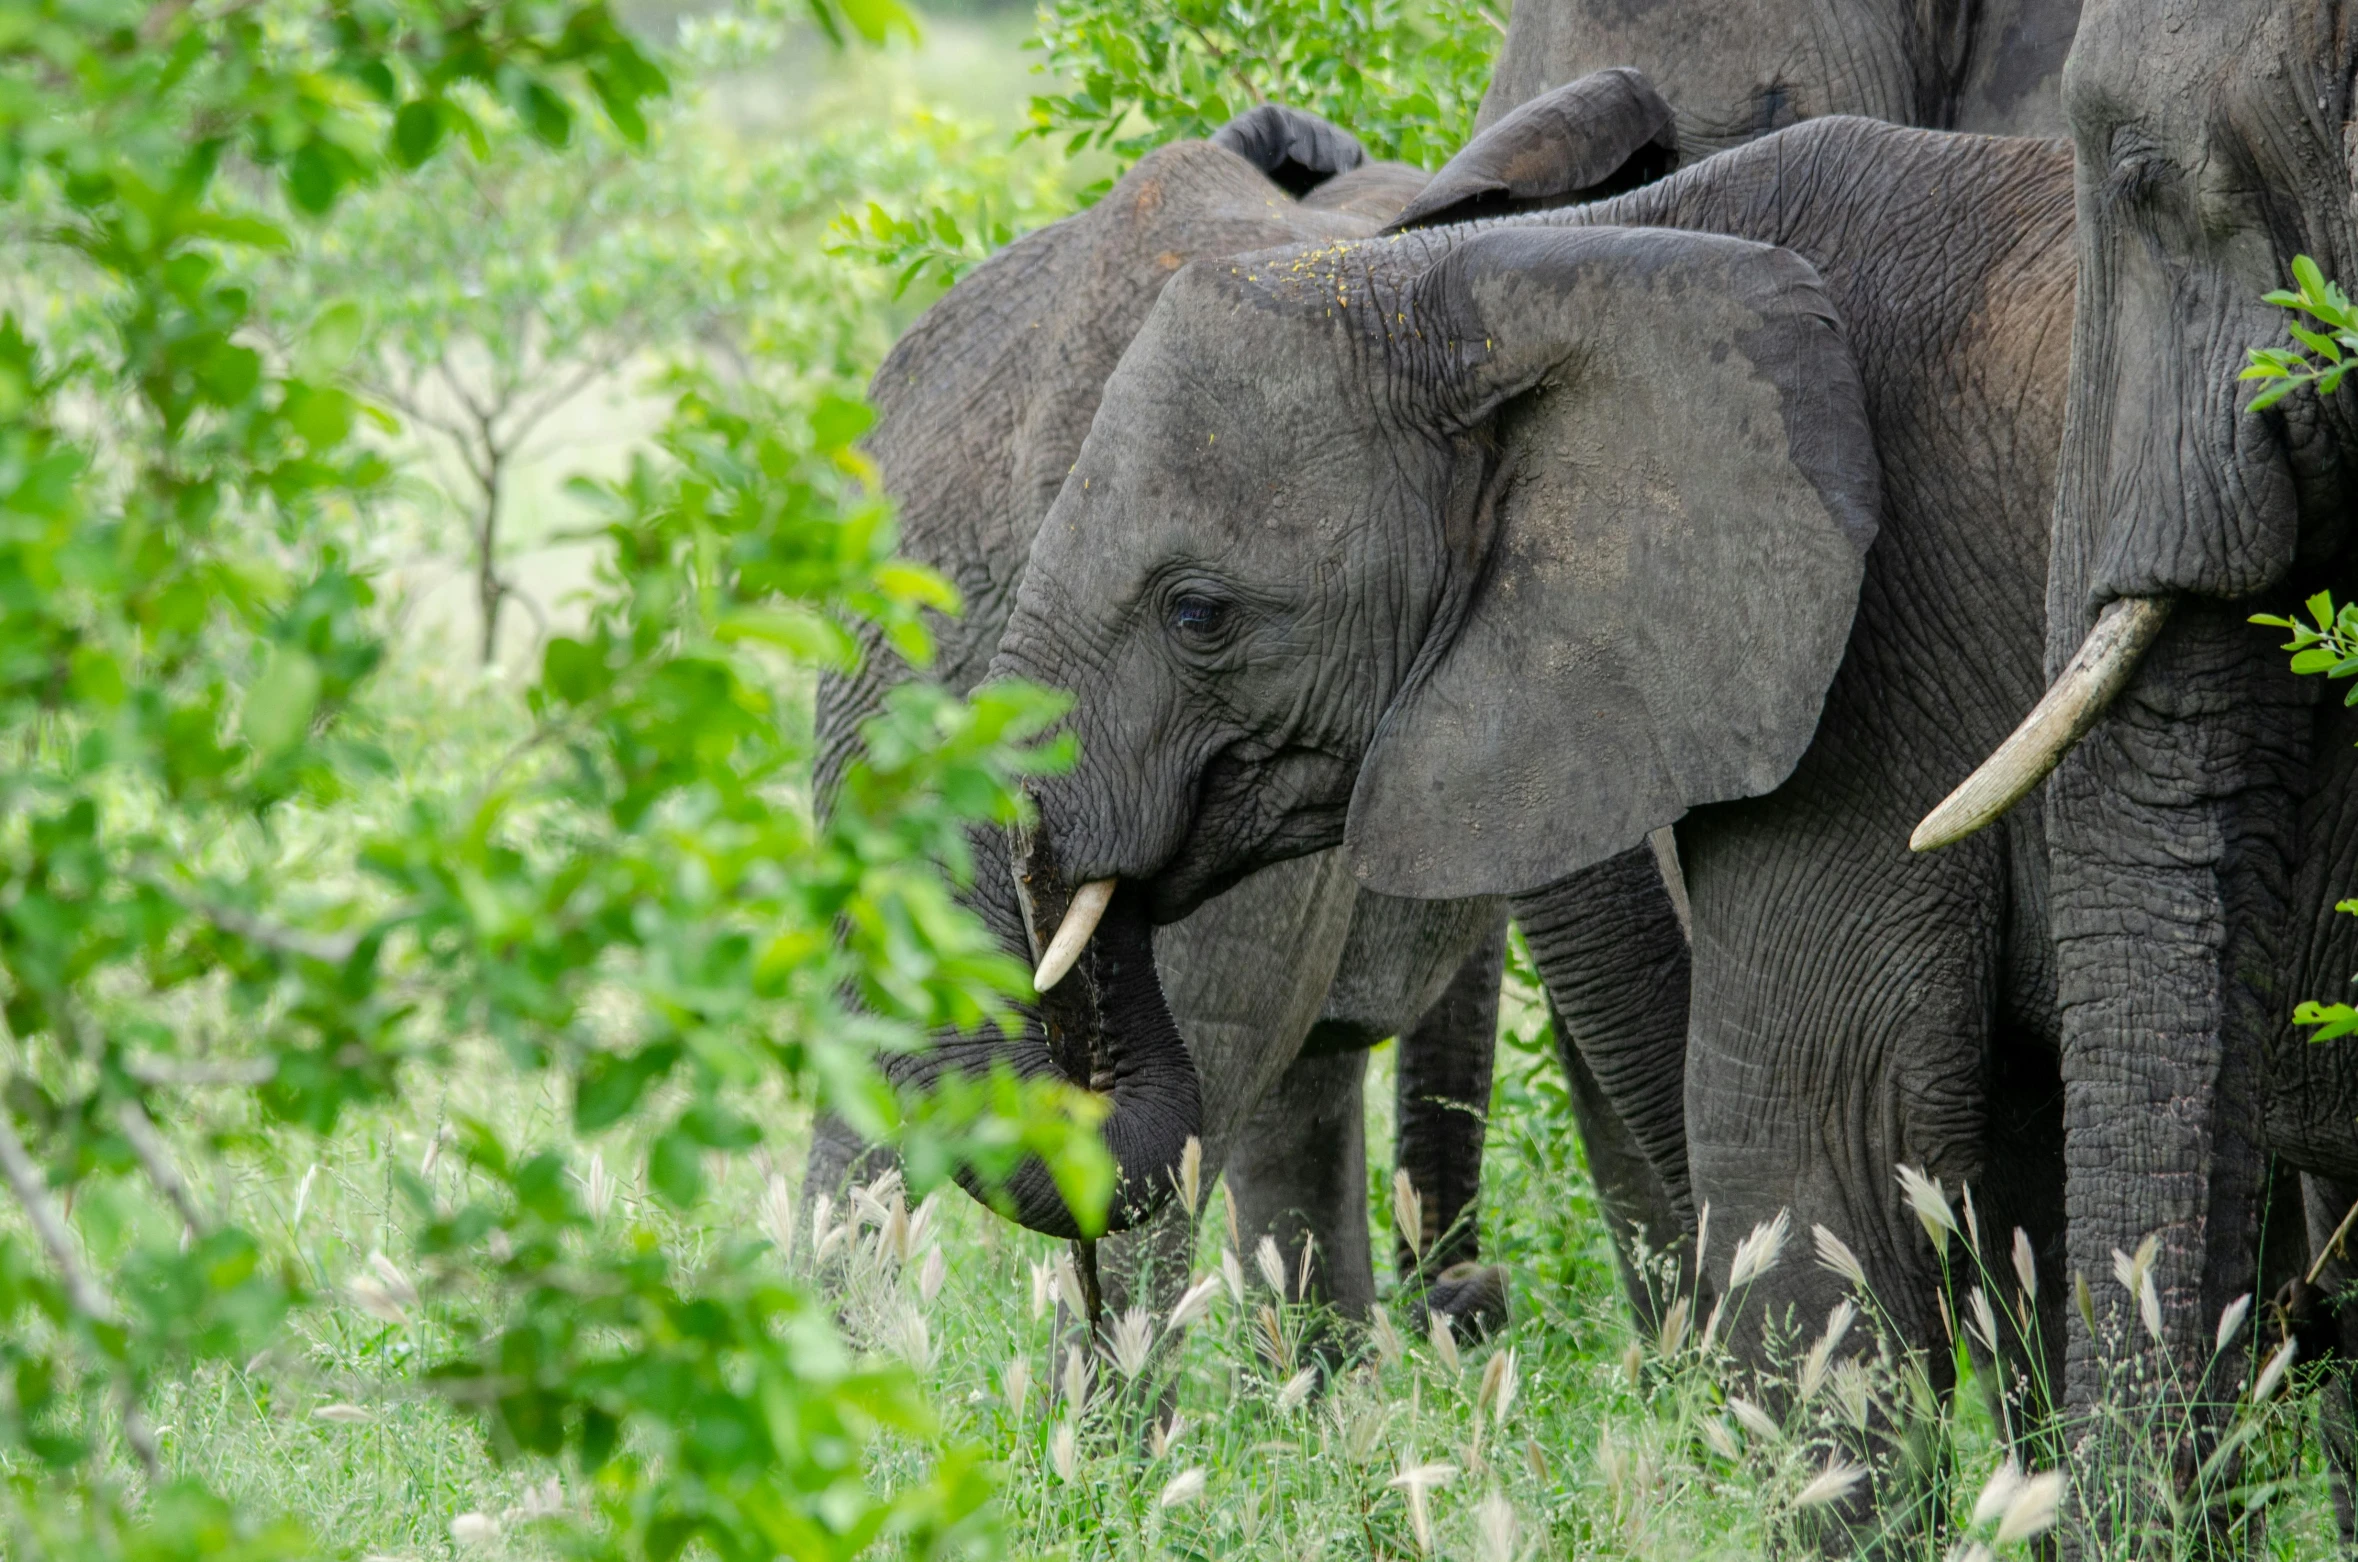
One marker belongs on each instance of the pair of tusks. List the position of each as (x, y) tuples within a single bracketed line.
[(1072, 935), (2061, 718)]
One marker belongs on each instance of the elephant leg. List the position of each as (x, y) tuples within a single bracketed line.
[(1442, 1091), (1610, 946), (2325, 1203), (1299, 1173)]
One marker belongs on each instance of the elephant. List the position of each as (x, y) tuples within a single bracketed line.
[(2202, 811), (983, 406), (1478, 552), (1734, 72)]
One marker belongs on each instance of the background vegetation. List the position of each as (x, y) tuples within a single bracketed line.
[(428, 487)]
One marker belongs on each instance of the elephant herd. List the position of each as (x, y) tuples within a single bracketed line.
[(1640, 529)]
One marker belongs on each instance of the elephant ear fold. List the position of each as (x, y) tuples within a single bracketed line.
[(1657, 572), (1298, 151), (1608, 132)]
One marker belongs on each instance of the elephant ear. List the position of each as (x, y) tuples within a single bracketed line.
[(1658, 570), (1298, 151), (1608, 132)]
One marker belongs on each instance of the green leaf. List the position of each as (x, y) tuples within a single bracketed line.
[(675, 1169), (417, 131), (279, 703)]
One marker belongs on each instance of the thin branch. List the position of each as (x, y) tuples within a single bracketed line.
[(156, 1161), (24, 1180)]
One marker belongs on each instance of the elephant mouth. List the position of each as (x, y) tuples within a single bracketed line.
[(2066, 713)]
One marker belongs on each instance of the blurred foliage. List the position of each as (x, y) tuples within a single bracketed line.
[(223, 880), (1404, 76)]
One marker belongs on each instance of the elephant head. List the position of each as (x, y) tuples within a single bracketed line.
[(2212, 144), (1484, 550), (1739, 71)]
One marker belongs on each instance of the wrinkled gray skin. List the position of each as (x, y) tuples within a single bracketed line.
[(1736, 69), (1483, 551), (984, 406), (2204, 829)]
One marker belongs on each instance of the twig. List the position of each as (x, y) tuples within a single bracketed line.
[(156, 1161), (2332, 1245), (24, 1180)]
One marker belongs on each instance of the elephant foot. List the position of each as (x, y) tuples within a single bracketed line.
[(1473, 1297)]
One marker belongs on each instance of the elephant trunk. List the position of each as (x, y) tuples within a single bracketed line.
[(1105, 1027)]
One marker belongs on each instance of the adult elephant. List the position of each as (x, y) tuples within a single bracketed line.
[(1736, 71), (983, 407), (2207, 818), (1482, 551)]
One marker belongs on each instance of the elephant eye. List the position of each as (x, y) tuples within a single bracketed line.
[(1198, 618)]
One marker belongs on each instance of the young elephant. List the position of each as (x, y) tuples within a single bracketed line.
[(1483, 551), (984, 406)]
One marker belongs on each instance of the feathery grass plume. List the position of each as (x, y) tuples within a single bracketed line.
[(597, 1189), (1711, 1326), (1232, 1274), (1758, 1253), (1389, 1346), (2084, 1299), (892, 1238), (1194, 1303), (2231, 1319), (1720, 1440), (1835, 1482), (1672, 1335), (1076, 1376), (1820, 1359), (1182, 1489), (2149, 1305), (1931, 1204), (1997, 1493), (1191, 1174), (1755, 1420), (1495, 1528), (1972, 1220), (1633, 1363), (1068, 1285), (1016, 1384), (1296, 1390), (474, 1529), (1043, 1273), (1408, 1213), (1361, 1426), (1444, 1343), (1834, 1254), (2272, 1375), (1129, 1341), (370, 1296), (775, 1211), (2033, 1509), (1853, 1392), (1274, 1346), (1535, 1460), (1271, 1263), (1414, 1480), (389, 1274), (1064, 1451), (341, 1415), (1499, 1382), (911, 1340), (1302, 1269), (1163, 1436), (303, 1195), (931, 1274), (1984, 1322), (1702, 1236), (1228, 1211)]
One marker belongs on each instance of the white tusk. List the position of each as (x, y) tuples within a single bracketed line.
[(1080, 920), (2061, 718)]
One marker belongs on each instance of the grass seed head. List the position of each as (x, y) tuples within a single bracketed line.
[(1043, 1275), (1408, 1213), (1064, 1451), (1389, 1346), (1194, 1303), (2033, 1509), (1758, 1253), (2149, 1305), (1444, 1343), (390, 1276), (597, 1190), (1500, 1379), (474, 1529), (2272, 1375), (1182, 1489), (1232, 1273), (1672, 1336), (1931, 1204), (1834, 1254), (931, 1274), (1720, 1440), (2231, 1318), (1302, 1269), (1831, 1484), (775, 1211), (1984, 1323), (1271, 1263), (1076, 1377), (2026, 1265), (1228, 1206), (1754, 1420), (1129, 1342), (1997, 1493), (1191, 1174), (1016, 1383), (1068, 1286), (1296, 1390), (2084, 1299)]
